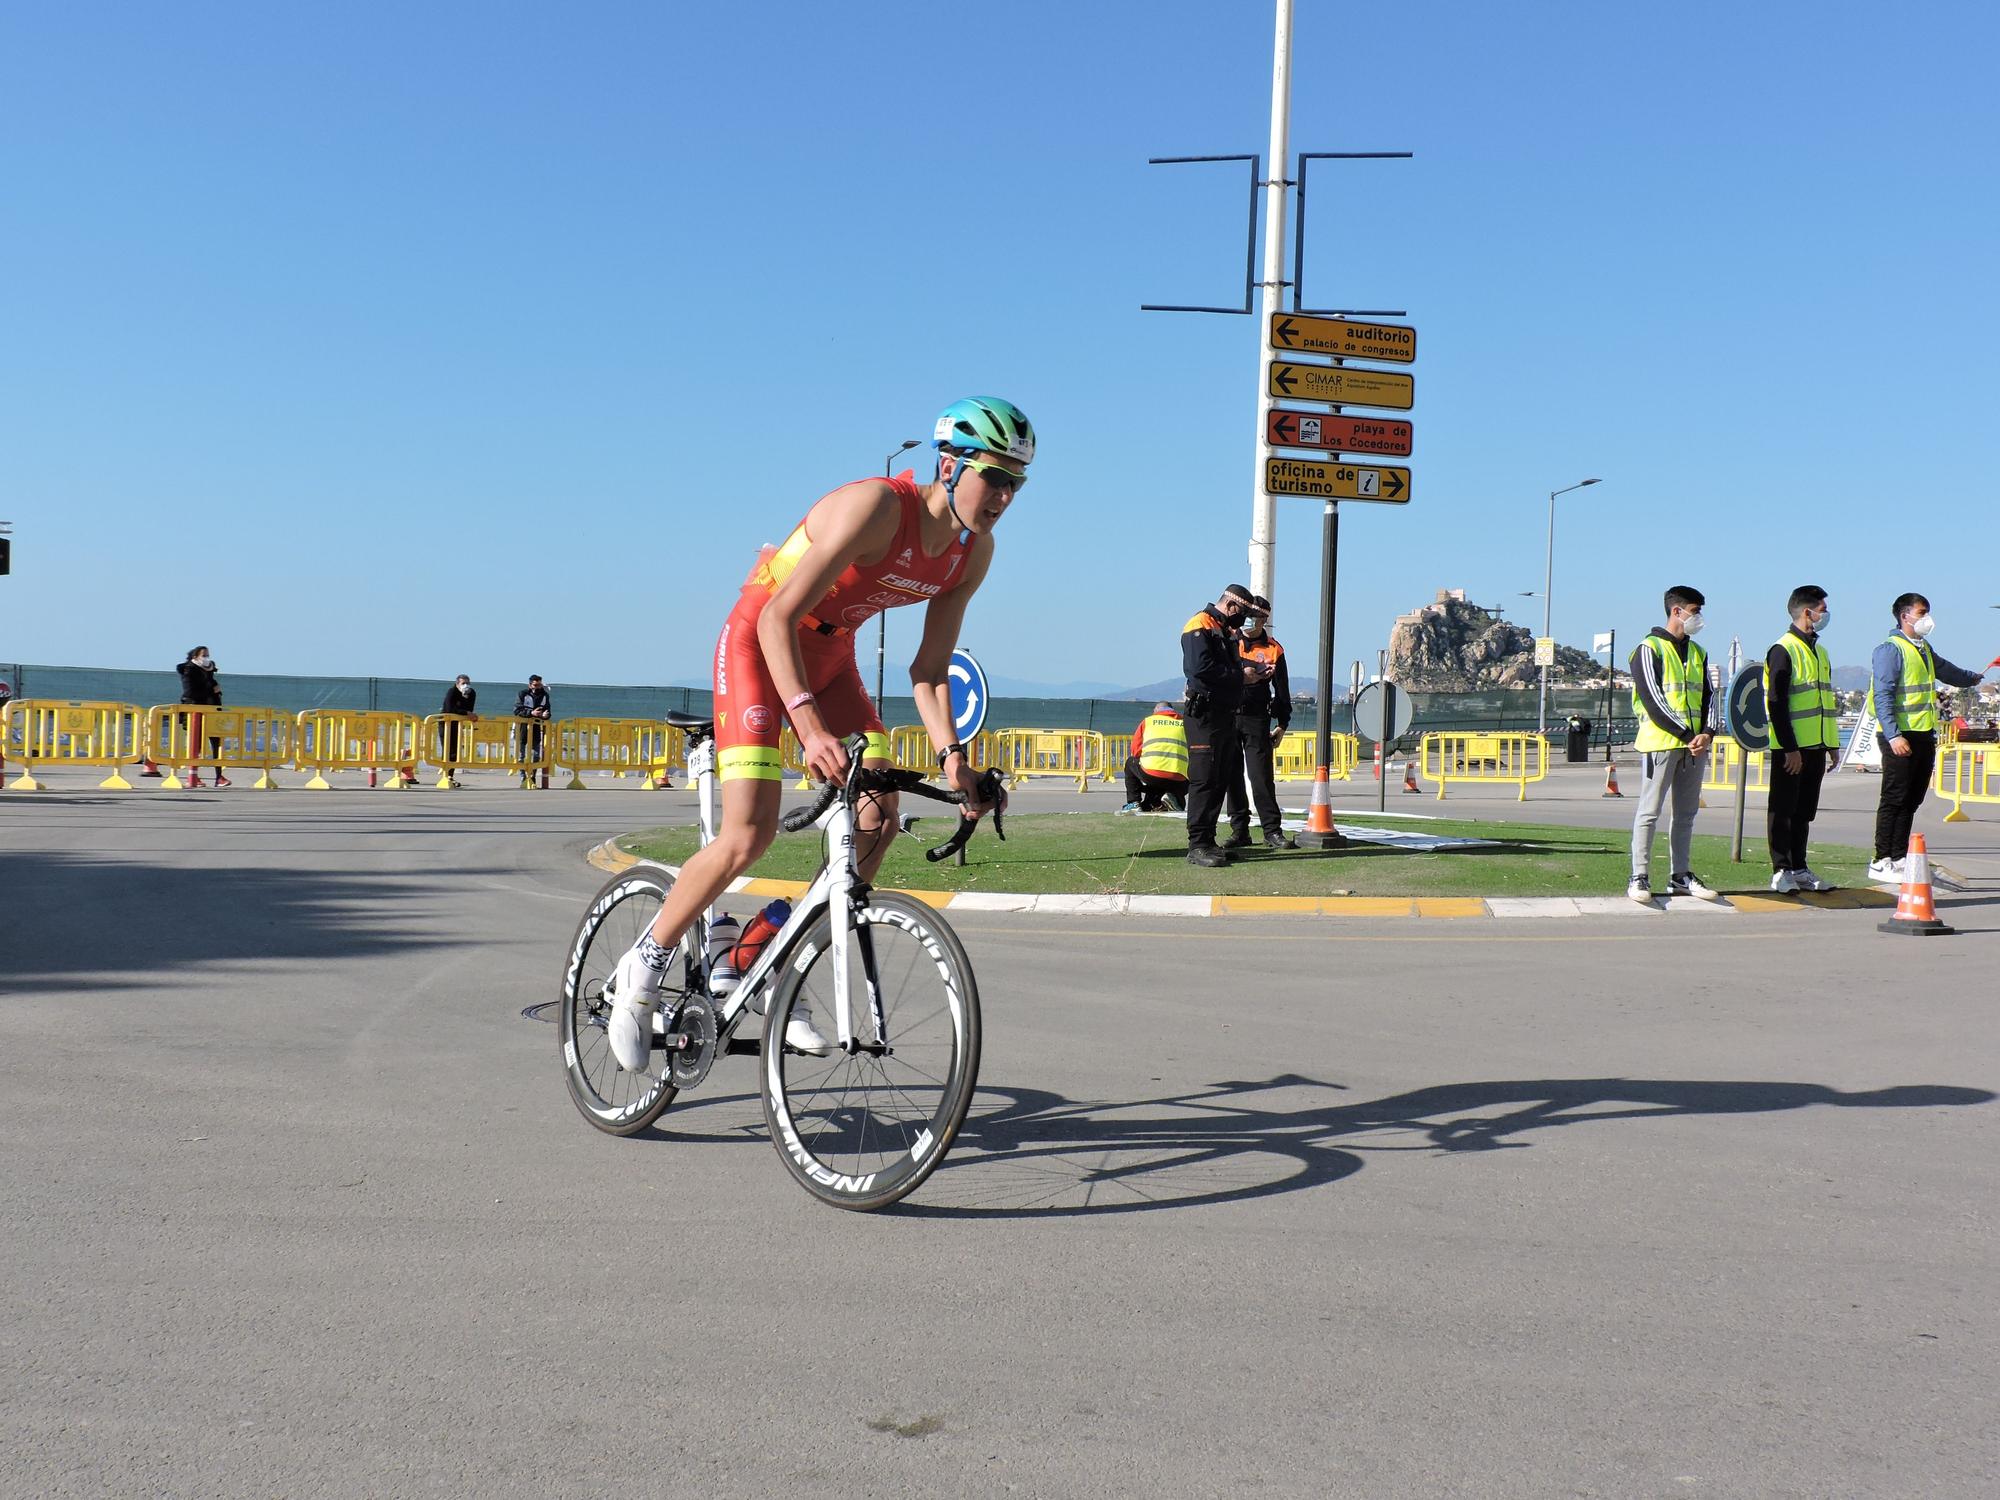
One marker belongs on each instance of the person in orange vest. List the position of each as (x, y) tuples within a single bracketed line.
[(1216, 677), (1266, 699), (1156, 770)]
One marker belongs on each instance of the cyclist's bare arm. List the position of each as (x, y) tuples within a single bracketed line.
[(856, 523), (930, 672)]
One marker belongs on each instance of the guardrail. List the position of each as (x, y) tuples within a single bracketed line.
[(189, 736), (1965, 774), (1077, 754), (1296, 757), (71, 733), (620, 746), (1727, 763), (357, 739), (459, 742), (1520, 758)]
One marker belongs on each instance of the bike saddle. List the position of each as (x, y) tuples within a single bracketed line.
[(703, 722)]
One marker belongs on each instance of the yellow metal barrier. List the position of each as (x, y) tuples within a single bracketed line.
[(356, 739), (189, 736), (645, 746), (1965, 774), (1515, 757), (459, 742), (66, 733), (1070, 753), (910, 746), (1297, 756), (1725, 760)]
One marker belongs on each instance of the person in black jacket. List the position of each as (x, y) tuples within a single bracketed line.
[(1216, 676), (460, 699), (532, 704), (199, 686), (1267, 699)]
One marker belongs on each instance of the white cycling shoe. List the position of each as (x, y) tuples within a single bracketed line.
[(802, 1036), (635, 994)]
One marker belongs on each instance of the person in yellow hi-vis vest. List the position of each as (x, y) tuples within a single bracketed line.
[(1805, 737), (1903, 700), (1156, 770), (1672, 700)]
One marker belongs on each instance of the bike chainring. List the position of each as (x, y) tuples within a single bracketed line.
[(688, 1064)]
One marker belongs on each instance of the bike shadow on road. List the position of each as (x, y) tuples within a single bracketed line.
[(1040, 1155), (130, 924)]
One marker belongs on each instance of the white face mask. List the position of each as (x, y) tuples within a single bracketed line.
[(203, 661), (1922, 627), (1692, 624), (1253, 627), (465, 687)]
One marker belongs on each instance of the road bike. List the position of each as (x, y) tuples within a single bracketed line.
[(861, 1127)]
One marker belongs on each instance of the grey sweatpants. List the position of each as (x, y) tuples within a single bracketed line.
[(1664, 772)]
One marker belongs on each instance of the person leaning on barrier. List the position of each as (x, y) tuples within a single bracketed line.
[(533, 705), (1267, 699), (1156, 772), (1216, 677), (1673, 703), (1805, 736), (200, 685), (1902, 699), (459, 700)]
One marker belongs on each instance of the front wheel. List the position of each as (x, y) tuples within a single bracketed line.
[(861, 1130)]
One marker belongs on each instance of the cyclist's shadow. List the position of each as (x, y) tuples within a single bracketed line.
[(1041, 1155)]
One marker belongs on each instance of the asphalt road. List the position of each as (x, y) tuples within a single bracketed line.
[(297, 1204)]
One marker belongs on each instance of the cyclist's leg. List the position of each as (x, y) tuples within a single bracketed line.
[(749, 823), (847, 708)]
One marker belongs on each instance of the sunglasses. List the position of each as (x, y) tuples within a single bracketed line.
[(993, 474)]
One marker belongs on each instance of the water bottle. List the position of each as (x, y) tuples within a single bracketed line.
[(722, 971), (763, 927)]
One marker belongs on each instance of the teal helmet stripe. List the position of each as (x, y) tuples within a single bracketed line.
[(988, 424)]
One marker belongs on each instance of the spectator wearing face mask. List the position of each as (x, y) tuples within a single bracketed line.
[(199, 686), (460, 699), (532, 704), (1216, 677), (1672, 701), (1902, 700), (1805, 736), (1261, 721)]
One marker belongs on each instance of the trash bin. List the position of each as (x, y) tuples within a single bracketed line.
[(1579, 740)]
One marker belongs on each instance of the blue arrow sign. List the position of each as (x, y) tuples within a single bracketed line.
[(1743, 711), (968, 694)]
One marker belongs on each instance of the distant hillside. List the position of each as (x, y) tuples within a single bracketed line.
[(1452, 646)]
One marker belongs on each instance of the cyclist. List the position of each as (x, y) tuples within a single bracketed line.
[(787, 652)]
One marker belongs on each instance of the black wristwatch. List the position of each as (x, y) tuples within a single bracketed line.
[(956, 747)]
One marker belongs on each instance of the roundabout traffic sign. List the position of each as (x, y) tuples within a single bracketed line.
[(969, 696)]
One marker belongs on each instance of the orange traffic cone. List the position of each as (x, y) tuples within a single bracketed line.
[(150, 768), (1378, 762), (1915, 915), (1319, 831), (1410, 776), (1611, 780)]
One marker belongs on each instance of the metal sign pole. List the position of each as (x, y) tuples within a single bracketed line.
[(1263, 506), (1610, 691), (1742, 794), (1388, 729)]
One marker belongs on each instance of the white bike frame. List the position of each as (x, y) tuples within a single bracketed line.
[(831, 890)]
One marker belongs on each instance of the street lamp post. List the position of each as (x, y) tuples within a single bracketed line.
[(882, 620), (1548, 600)]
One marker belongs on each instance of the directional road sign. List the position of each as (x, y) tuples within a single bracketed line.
[(1336, 481), (968, 694), (1382, 706), (1343, 385), (1743, 711), (1306, 429), (1394, 343)]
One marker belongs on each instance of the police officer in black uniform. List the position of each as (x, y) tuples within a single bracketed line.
[(1216, 676), (1268, 698)]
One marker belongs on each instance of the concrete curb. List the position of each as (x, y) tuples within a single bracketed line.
[(608, 857)]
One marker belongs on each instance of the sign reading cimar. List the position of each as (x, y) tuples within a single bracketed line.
[(1383, 483), (1342, 338)]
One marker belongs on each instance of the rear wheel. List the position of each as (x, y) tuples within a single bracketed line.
[(613, 1100), (861, 1130)]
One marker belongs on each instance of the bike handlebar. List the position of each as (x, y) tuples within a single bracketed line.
[(862, 778)]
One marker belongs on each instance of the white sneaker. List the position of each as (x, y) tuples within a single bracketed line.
[(635, 994), (1786, 883), (1693, 885), (802, 1036), (1811, 882), (1887, 871), (1640, 891)]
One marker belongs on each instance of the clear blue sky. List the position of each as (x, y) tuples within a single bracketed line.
[(405, 339)]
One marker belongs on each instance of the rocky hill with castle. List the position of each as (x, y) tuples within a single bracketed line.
[(1454, 646)]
